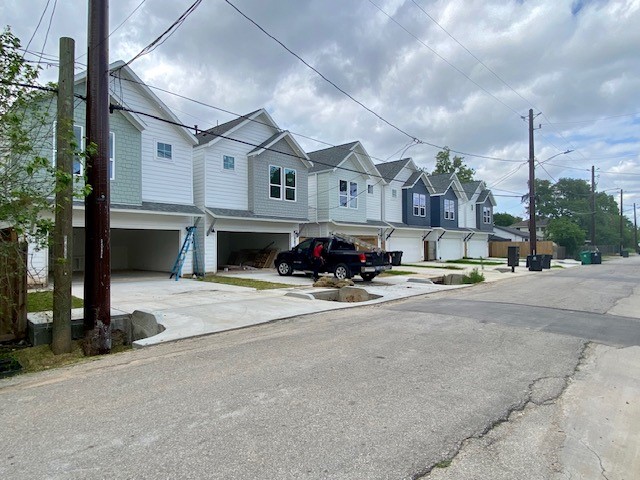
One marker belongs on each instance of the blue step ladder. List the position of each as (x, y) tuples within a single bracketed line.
[(188, 241)]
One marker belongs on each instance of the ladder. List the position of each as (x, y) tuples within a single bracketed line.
[(188, 241)]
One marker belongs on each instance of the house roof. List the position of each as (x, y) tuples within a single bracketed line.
[(440, 182), (247, 214), (275, 138), (512, 231), (389, 170), (330, 158), (153, 207), (470, 188), (210, 134)]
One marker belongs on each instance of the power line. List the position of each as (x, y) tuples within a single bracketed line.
[(46, 36), (164, 36), (444, 59), (37, 26)]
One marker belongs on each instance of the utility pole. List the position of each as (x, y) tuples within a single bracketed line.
[(63, 229), (532, 190), (621, 223), (97, 279), (593, 206)]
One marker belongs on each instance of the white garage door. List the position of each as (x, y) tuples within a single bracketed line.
[(450, 249), (477, 248), (411, 247)]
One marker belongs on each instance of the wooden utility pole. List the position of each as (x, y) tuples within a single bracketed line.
[(532, 190), (635, 229), (97, 279), (621, 224), (63, 229), (593, 206)]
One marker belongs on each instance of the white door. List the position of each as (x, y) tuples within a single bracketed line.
[(477, 248), (450, 248), (412, 247)]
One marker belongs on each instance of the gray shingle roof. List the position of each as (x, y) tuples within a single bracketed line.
[(329, 158), (227, 212), (411, 181), (265, 143), (483, 196), (440, 182), (470, 188), (368, 223), (207, 135), (152, 207), (389, 170)]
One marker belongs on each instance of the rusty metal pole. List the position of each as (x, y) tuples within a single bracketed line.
[(97, 280)]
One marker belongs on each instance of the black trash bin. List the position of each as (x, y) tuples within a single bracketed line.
[(396, 258), (624, 253), (546, 261), (513, 257), (596, 258), (534, 262)]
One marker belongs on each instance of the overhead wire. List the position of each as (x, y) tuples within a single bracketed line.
[(46, 7)]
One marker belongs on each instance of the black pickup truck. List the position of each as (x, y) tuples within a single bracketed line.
[(340, 258)]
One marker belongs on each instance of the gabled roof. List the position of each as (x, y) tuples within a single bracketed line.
[(210, 134), (275, 138), (330, 158), (389, 170), (415, 178), (512, 231), (486, 193), (441, 183), (470, 188), (120, 67)]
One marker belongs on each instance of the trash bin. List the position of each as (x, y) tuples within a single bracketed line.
[(585, 258), (396, 258), (535, 263), (513, 257), (546, 261), (596, 258), (625, 253)]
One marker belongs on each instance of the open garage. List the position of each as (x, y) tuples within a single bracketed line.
[(237, 248)]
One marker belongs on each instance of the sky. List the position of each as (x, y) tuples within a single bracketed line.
[(461, 74)]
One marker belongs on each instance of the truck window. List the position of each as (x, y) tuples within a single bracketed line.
[(304, 245)]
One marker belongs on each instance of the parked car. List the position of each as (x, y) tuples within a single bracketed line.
[(340, 258)]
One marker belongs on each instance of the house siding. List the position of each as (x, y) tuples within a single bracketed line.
[(485, 227), (344, 214), (437, 210), (260, 202), (408, 217), (374, 200), (394, 206), (165, 181)]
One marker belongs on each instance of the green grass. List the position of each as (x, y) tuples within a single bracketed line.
[(43, 301), (446, 267), (475, 262), (443, 464), (397, 272), (245, 282)]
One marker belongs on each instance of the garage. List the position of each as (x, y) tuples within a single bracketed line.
[(450, 247), (411, 246), (133, 249), (477, 247), (239, 248)]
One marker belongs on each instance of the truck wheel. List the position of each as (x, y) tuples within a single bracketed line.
[(285, 269), (367, 277), (342, 272)]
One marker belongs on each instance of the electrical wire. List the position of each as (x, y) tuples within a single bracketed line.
[(37, 26)]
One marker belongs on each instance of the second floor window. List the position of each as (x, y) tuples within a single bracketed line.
[(112, 156), (228, 163), (348, 194), (486, 214), (282, 180), (449, 209), (394, 193), (164, 151), (419, 205), (370, 189), (79, 147)]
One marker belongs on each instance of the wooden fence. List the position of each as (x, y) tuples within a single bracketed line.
[(13, 286), (499, 249)]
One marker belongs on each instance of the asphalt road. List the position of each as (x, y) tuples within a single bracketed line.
[(383, 392)]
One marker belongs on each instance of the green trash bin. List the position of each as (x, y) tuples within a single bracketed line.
[(585, 258)]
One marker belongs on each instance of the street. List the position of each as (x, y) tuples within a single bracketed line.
[(503, 380)]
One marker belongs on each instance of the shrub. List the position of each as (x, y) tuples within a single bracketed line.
[(473, 277)]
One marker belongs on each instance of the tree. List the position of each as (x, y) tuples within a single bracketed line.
[(444, 164), (505, 219), (566, 233)]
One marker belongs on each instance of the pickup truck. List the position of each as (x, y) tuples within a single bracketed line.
[(340, 258)]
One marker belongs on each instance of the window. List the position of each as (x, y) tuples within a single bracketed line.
[(78, 139), (290, 184), (163, 150), (228, 163), (486, 214), (275, 182), (394, 193), (419, 205), (276, 186), (348, 196), (112, 156), (370, 189), (449, 209)]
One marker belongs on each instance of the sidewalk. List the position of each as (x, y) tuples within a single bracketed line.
[(189, 308)]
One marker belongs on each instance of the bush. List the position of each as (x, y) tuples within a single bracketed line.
[(473, 277)]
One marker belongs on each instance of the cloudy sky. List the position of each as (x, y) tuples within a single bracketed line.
[(454, 73)]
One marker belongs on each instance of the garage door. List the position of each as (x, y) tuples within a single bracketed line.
[(477, 248), (450, 248), (412, 248)]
